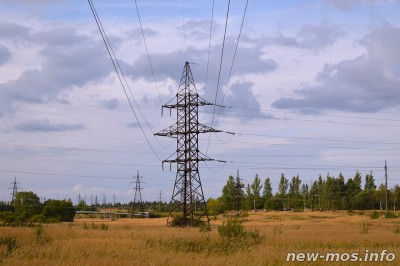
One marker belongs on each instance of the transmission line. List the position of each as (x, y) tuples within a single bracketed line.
[(119, 73), (147, 51), (209, 47), (233, 60), (219, 72)]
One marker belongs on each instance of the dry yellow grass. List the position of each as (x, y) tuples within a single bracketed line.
[(150, 242)]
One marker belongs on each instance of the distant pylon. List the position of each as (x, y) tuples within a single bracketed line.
[(137, 201), (14, 188), (188, 203)]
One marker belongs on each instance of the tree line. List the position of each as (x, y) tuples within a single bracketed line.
[(329, 193)]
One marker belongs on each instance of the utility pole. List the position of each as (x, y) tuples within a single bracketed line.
[(386, 187), (14, 188), (104, 200), (137, 201), (114, 199), (187, 194), (159, 204)]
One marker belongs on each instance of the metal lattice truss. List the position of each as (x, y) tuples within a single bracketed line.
[(189, 206), (137, 203)]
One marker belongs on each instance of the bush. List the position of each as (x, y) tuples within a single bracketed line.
[(52, 220), (40, 235), (390, 215), (231, 228), (273, 204), (375, 215), (38, 219), (8, 217), (63, 210), (9, 242)]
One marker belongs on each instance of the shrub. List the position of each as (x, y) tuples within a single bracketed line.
[(8, 217), (397, 229), (365, 228), (52, 220), (9, 242), (40, 235), (231, 228), (375, 215), (38, 219), (390, 215), (63, 210), (273, 204)]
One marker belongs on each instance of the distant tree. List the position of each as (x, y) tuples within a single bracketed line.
[(27, 203), (256, 188), (273, 204), (248, 205), (283, 186), (351, 192), (357, 180), (238, 194), (214, 206), (396, 197), (267, 191), (228, 194), (380, 194), (295, 200), (313, 194), (369, 182), (60, 209), (365, 200), (306, 195), (6, 207), (321, 189)]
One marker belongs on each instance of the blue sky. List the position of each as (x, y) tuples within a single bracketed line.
[(314, 90)]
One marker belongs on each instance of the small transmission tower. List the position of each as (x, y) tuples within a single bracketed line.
[(14, 188), (189, 207), (137, 201)]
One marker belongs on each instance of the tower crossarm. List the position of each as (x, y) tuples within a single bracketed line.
[(172, 131)]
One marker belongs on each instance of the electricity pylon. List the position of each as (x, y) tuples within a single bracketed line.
[(137, 201), (188, 204), (14, 188)]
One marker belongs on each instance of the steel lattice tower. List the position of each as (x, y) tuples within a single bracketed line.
[(14, 189), (188, 204), (137, 201)]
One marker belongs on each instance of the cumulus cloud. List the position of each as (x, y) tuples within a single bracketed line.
[(5, 54), (46, 126), (367, 83), (69, 60), (311, 37), (249, 60), (13, 31), (110, 104), (241, 94), (351, 4)]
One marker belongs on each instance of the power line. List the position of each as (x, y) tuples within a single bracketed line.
[(147, 51), (233, 60), (319, 139), (312, 75), (183, 28), (309, 120), (209, 47), (296, 113), (119, 73), (219, 72)]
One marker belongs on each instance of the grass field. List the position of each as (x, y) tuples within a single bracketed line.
[(150, 242)]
